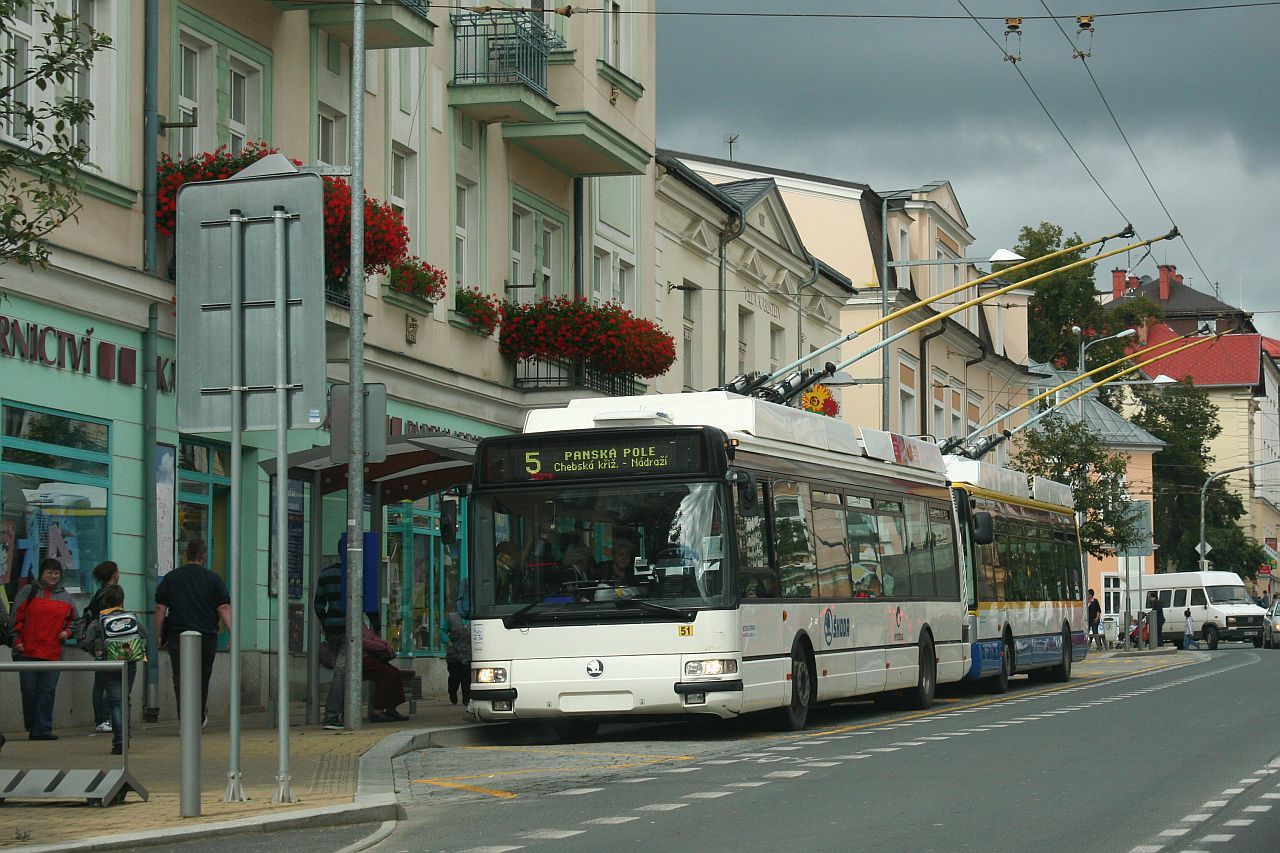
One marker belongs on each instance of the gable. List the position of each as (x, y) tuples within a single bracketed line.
[(699, 234), (945, 197)]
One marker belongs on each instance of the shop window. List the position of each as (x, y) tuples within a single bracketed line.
[(55, 480), (203, 506)]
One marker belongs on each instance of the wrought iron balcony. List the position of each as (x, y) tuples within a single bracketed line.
[(540, 374), (502, 46)]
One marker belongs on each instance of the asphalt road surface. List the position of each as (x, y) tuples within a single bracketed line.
[(1135, 754)]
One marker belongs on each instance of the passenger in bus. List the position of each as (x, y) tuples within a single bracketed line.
[(508, 572), (576, 565), (620, 568)]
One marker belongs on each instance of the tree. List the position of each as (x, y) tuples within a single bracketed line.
[(1066, 451), (1070, 299), (1186, 420), (45, 59)]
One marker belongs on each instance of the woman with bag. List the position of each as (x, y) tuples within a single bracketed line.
[(43, 616)]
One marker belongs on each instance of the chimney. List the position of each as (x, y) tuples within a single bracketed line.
[(1177, 276), (1117, 284), (1133, 283), (1166, 276)]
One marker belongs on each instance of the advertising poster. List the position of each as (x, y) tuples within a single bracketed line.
[(8, 544), (166, 495), (295, 547)]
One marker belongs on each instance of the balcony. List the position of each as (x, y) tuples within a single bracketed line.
[(387, 23), (539, 374), (500, 67)]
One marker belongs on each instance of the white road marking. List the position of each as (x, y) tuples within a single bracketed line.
[(1271, 796), (785, 774), (680, 770), (1214, 804), (784, 748), (552, 834), (1174, 833), (723, 761), (1233, 790), (884, 749), (575, 792), (1217, 839), (609, 821), (1250, 781), (910, 743), (493, 849), (661, 807), (935, 737), (821, 764), (640, 779), (707, 795), (747, 784), (1257, 808), (1194, 818), (1147, 848), (1239, 822)]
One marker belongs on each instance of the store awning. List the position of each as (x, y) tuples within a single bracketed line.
[(417, 464)]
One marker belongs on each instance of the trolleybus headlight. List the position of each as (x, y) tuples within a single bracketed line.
[(711, 667), (489, 675)]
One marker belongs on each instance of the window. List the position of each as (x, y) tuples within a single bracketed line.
[(777, 346), (614, 36), (331, 137), (55, 477), (793, 540), (244, 103), (833, 561), (404, 186), (689, 352), (894, 571), (17, 42), (1179, 598), (82, 85), (624, 284), (756, 577), (537, 249), (1165, 596), (462, 263), (1110, 595), (745, 320), (190, 92), (518, 218), (904, 254), (946, 579), (907, 415)]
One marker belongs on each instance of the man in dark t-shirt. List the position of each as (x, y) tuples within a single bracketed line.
[(192, 598)]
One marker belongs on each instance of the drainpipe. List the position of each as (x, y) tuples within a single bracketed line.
[(812, 279), (579, 260), (884, 310), (150, 131), (925, 398), (738, 222), (983, 352), (150, 547)]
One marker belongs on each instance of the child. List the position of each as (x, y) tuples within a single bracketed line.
[(1189, 633), (117, 635)]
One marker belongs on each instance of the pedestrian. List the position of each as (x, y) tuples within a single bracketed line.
[(117, 635), (1095, 621), (330, 606), (107, 574), (1153, 603), (192, 598), (43, 617), (457, 651), (388, 680), (1189, 632)]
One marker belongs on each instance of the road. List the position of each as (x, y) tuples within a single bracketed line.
[(1135, 755)]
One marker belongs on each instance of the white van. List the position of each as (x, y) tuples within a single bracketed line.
[(1219, 604)]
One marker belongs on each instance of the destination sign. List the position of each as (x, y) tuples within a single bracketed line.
[(589, 456)]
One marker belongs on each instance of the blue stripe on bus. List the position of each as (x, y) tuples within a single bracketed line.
[(1029, 652)]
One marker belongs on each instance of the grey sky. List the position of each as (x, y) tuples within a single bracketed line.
[(895, 103)]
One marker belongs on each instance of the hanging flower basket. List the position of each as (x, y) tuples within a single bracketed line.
[(413, 281), (386, 239), (819, 400), (479, 311), (607, 337)]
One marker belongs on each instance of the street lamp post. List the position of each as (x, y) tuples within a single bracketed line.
[(1084, 344), (1204, 495)]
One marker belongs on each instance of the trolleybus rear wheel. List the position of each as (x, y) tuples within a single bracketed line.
[(920, 697), (796, 713)]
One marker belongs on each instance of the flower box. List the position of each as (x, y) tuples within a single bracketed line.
[(475, 311), (605, 338), (414, 285)]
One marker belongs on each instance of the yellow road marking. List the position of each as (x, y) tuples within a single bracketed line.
[(458, 781), (545, 751), (492, 792)]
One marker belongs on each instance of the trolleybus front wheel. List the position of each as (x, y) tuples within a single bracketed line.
[(1062, 672), (793, 717)]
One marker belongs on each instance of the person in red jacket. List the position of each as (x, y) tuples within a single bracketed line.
[(43, 614)]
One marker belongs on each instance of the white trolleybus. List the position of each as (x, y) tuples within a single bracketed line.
[(1026, 600), (708, 553)]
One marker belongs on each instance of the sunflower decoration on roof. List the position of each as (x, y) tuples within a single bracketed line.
[(820, 400)]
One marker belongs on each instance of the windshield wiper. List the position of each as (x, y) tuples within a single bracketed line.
[(650, 607), (515, 619)]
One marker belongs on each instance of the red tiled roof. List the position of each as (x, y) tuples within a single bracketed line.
[(1230, 360), (1272, 346)]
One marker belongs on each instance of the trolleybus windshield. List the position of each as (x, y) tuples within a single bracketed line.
[(572, 549)]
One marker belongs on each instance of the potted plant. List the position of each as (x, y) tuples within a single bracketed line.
[(477, 311), (415, 284), (607, 338)]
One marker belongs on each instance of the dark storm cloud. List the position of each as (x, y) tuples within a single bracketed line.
[(898, 103)]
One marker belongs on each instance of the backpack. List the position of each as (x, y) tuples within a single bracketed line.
[(122, 637)]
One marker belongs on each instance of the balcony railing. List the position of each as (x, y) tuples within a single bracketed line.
[(546, 374), (502, 46), (337, 293)]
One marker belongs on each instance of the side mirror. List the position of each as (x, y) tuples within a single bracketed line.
[(449, 522), (984, 532), (745, 488)]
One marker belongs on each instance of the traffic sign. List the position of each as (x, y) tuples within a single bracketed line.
[(1203, 549), (232, 232)]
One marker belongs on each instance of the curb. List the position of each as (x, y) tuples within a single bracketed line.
[(375, 800)]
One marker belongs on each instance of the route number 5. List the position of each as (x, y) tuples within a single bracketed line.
[(532, 464)]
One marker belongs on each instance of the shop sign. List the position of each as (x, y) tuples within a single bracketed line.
[(50, 346), (399, 426)]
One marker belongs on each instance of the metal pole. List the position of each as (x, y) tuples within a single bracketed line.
[(315, 631), (284, 791), (189, 725), (235, 787), (150, 132), (1204, 494), (884, 311), (150, 560), (124, 714), (355, 462)]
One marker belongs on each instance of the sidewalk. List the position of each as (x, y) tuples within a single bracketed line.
[(324, 766)]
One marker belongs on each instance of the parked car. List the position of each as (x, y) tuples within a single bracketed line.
[(1271, 627)]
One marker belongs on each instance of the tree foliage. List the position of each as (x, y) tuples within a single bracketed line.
[(1186, 420), (42, 110), (1068, 300), (1065, 450)]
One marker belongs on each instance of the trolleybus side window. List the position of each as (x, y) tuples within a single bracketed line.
[(894, 573), (919, 556), (832, 546), (757, 579), (864, 542), (796, 557), (942, 536)]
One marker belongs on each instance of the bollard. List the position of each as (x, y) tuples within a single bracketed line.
[(190, 721)]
